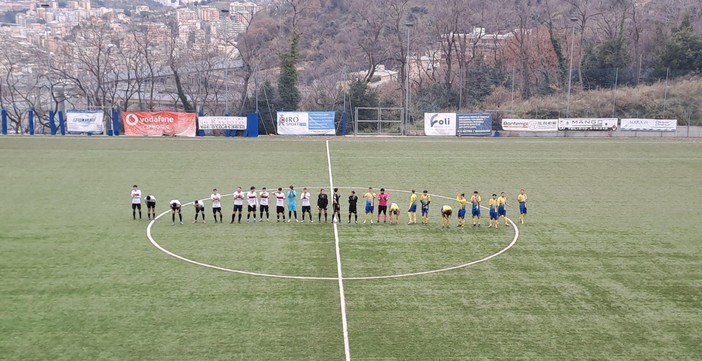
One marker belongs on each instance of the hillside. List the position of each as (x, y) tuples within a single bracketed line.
[(680, 101)]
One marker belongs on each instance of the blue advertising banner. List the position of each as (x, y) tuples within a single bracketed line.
[(320, 121), (473, 124)]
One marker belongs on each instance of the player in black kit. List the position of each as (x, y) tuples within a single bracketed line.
[(322, 204), (336, 206), (353, 200)]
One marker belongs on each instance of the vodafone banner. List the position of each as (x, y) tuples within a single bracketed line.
[(158, 124), (306, 123), (530, 125), (650, 125), (84, 121), (440, 124), (587, 123), (227, 123)]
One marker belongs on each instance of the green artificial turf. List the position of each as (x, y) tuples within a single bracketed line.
[(607, 267)]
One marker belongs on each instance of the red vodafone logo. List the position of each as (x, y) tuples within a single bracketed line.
[(131, 119)]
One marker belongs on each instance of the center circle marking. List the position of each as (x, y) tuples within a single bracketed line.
[(486, 258)]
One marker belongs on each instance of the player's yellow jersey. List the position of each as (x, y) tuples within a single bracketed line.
[(425, 199), (462, 201), (446, 208), (521, 198), (369, 196), (394, 207), (476, 199), (492, 203), (413, 199), (501, 201)]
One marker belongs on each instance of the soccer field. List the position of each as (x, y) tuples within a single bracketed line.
[(608, 265)]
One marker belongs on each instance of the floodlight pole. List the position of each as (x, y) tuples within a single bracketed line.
[(570, 67), (225, 12), (406, 119)]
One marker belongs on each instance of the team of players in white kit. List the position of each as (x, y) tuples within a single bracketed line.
[(256, 202)]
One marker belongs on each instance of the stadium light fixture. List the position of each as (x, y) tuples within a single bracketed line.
[(570, 66), (406, 119)]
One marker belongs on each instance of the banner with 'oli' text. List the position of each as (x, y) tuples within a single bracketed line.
[(154, 124), (84, 121), (440, 124), (306, 123)]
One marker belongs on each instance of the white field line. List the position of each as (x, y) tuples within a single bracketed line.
[(340, 276), (153, 242), (315, 278)]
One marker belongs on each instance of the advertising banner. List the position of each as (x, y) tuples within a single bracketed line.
[(226, 123), (85, 121), (158, 124), (440, 124), (650, 125), (306, 123), (473, 124), (587, 124), (530, 125)]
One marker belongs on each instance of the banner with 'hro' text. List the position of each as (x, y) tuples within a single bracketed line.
[(154, 124), (306, 123)]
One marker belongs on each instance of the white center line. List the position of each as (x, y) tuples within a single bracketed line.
[(342, 297)]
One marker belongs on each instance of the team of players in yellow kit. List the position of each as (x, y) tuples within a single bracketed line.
[(497, 208)]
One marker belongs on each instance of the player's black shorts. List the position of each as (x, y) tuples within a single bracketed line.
[(150, 205), (382, 209), (264, 208), (216, 209), (175, 208), (198, 209), (353, 210), (395, 212), (136, 206), (252, 208), (337, 208), (447, 212), (279, 209), (322, 208), (307, 209), (238, 207)]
